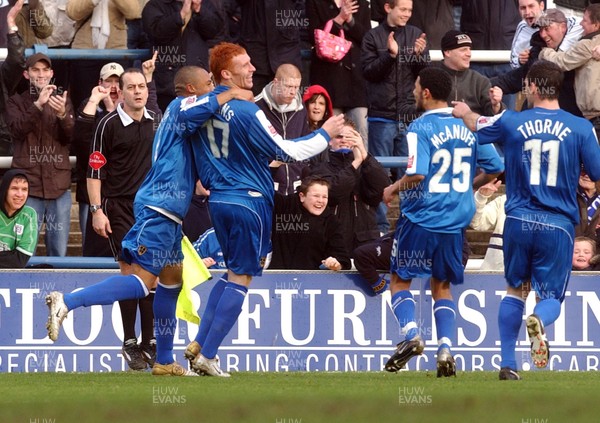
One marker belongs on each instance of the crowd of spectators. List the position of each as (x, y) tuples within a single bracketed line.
[(50, 109)]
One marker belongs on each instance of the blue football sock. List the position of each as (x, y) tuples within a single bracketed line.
[(115, 288), (209, 311), (403, 305), (165, 322), (510, 317), (226, 314), (548, 311), (444, 311)]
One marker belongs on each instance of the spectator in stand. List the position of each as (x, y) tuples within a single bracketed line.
[(491, 24), (530, 11), (270, 34), (33, 23), (372, 259), (10, 73), (318, 106), (100, 25), (180, 31), (588, 202), (587, 70), (434, 18), (281, 102), (343, 80), (392, 56), (18, 221), (64, 29), (490, 216), (120, 158), (554, 27), (467, 85), (41, 121), (357, 182), (306, 234), (103, 99), (136, 36), (234, 17), (584, 254)]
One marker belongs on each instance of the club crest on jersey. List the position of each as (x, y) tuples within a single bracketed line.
[(19, 229), (97, 160), (141, 250)]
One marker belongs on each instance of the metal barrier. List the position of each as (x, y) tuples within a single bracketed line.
[(497, 56)]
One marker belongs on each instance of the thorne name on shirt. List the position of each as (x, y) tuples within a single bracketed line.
[(544, 126), (455, 131)]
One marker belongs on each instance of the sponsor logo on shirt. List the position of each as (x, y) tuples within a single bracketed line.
[(97, 160), (411, 161)]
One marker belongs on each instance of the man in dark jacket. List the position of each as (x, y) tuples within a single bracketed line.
[(18, 222), (467, 85), (270, 34), (282, 103), (41, 121), (10, 73), (357, 182), (392, 56), (181, 32)]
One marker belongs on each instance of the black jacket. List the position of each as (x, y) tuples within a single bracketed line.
[(162, 22), (302, 240), (354, 194), (390, 81), (491, 24), (270, 33), (11, 71)]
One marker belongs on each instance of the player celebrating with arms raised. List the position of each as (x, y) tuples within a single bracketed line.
[(544, 148)]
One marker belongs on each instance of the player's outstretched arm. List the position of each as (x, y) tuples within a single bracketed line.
[(464, 112), (405, 183), (334, 125)]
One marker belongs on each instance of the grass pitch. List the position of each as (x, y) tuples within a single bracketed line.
[(541, 397)]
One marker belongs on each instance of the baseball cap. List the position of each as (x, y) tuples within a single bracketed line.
[(111, 69), (455, 39), (549, 17), (37, 57)]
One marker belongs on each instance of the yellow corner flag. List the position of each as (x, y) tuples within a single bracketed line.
[(194, 273)]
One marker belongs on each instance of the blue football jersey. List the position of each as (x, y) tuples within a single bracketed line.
[(234, 148), (170, 183), (543, 150), (446, 152)]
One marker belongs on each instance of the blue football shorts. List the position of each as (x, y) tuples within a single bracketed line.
[(242, 223), (538, 250), (153, 242), (420, 253)]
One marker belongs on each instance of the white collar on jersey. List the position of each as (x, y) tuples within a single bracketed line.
[(126, 119)]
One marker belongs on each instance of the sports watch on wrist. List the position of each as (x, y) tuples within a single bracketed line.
[(95, 207)]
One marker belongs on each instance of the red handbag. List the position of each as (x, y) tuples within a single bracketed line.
[(329, 47)]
